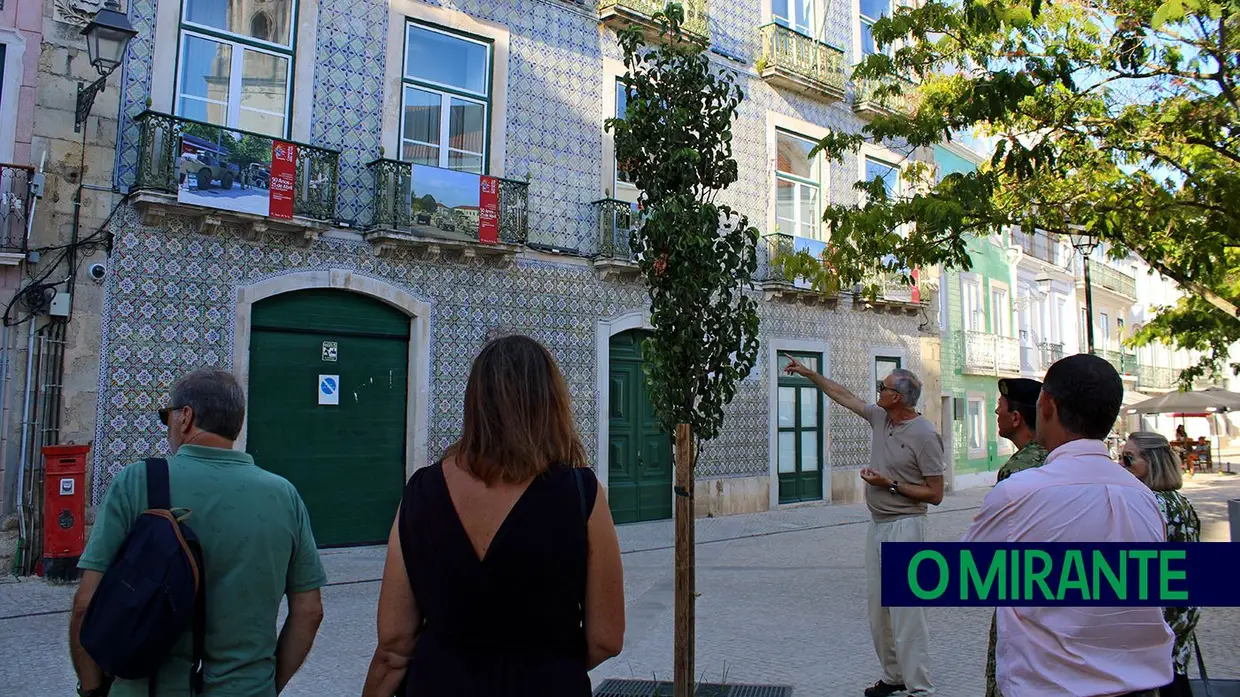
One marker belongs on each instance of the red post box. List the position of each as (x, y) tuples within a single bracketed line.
[(64, 510)]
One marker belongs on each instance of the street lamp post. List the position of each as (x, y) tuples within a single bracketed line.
[(107, 35), (1086, 242)]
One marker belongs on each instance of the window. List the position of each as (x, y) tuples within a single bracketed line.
[(446, 101), (883, 365), (1000, 312), (797, 186), (971, 298), (889, 173), (975, 422), (795, 14), (799, 432), (871, 12), (1104, 324), (236, 63), (622, 107), (942, 298)]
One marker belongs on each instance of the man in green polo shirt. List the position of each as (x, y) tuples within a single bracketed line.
[(257, 548), (1017, 417)]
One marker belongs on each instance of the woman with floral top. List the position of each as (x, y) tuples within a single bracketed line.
[(1149, 457)]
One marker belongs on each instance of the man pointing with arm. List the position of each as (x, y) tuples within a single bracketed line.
[(905, 474)]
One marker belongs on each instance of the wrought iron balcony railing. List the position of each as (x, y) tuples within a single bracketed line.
[(14, 206), (395, 210), (793, 60), (1040, 245), (776, 246), (1124, 363), (237, 158), (867, 100), (1051, 352), (1158, 378), (616, 220), (989, 354), (1112, 279), (626, 12)]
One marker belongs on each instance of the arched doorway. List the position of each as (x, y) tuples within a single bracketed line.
[(328, 396), (639, 457)]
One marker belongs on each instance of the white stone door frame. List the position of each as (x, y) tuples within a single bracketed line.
[(774, 346), (419, 312), (604, 330)]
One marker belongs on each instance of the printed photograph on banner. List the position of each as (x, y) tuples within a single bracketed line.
[(223, 169), (453, 205)]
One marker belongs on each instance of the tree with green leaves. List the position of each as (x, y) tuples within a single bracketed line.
[(697, 258), (1118, 116)]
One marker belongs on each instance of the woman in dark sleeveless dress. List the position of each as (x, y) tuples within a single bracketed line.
[(503, 574)]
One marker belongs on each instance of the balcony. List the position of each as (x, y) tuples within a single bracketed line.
[(616, 220), (408, 216), (867, 103), (622, 14), (15, 200), (1042, 246), (1102, 276), (1050, 353), (990, 355), (1156, 378), (1124, 363), (777, 283), (797, 62), (218, 175)]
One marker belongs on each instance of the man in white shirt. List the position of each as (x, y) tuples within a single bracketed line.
[(1079, 495)]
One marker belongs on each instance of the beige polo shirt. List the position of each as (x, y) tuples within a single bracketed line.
[(907, 452)]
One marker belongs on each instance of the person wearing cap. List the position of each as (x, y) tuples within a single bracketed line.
[(1017, 417)]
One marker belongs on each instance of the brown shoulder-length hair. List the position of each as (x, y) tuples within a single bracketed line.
[(518, 414)]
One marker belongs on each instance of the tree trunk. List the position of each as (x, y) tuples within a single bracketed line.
[(684, 593)]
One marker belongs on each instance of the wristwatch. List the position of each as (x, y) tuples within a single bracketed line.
[(894, 487)]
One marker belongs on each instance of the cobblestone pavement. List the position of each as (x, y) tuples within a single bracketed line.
[(782, 602)]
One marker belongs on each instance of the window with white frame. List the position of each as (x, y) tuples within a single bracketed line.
[(794, 14), (976, 424), (235, 64), (798, 188), (1000, 311), (446, 99), (622, 107), (888, 172), (971, 299), (1104, 324), (871, 12)]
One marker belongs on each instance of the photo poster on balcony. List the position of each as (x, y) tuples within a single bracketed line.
[(815, 248), (233, 171), (454, 205)]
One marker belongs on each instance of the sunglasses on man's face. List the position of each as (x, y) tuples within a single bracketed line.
[(166, 412)]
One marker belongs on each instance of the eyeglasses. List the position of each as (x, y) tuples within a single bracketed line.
[(884, 388), (166, 412)]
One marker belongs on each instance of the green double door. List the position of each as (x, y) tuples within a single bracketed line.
[(639, 453), (328, 398), (799, 432)]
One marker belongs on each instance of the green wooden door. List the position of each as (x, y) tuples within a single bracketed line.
[(348, 459), (639, 455), (799, 432)]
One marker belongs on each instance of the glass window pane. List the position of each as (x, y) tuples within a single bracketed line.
[(420, 154), (868, 46), (809, 451), (805, 17), (889, 173), (447, 60), (264, 88), (787, 452), (464, 162), (809, 408), (785, 206), (809, 210), (875, 8), (422, 114), (779, 10), (787, 406), (206, 68), (466, 125), (272, 22), (792, 156)]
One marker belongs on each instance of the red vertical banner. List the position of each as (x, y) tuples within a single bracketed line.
[(916, 288), (488, 210), (283, 176)]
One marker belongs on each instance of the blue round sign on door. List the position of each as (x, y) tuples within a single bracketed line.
[(328, 386)]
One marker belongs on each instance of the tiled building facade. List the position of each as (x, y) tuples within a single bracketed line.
[(185, 285)]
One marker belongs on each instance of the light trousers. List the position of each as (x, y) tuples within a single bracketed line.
[(901, 637)]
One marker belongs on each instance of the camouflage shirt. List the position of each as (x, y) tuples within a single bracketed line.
[(1028, 457), (1032, 455)]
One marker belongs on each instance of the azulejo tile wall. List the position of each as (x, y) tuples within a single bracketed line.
[(170, 303)]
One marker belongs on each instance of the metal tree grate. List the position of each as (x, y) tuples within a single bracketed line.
[(651, 688)]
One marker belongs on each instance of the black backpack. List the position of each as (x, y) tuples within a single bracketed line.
[(153, 589)]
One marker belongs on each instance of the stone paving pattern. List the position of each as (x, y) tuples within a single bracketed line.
[(782, 602)]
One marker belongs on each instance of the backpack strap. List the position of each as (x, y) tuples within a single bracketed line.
[(158, 491)]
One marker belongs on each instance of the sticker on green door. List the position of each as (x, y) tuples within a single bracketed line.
[(331, 351), (329, 390)]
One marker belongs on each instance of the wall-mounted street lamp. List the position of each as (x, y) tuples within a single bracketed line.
[(1041, 289), (107, 35), (1086, 242)]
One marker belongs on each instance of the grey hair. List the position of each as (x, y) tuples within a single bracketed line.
[(1163, 474), (216, 398), (906, 384)]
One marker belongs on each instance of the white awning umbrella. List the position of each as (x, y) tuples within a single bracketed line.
[(1212, 400)]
